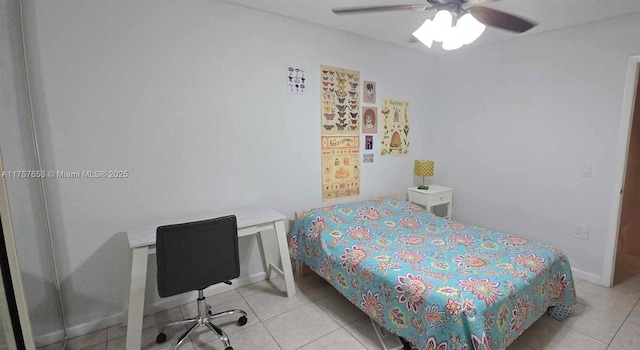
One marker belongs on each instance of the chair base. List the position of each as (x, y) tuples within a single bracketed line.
[(204, 318)]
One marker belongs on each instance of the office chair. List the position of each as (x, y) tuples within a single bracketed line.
[(194, 256)]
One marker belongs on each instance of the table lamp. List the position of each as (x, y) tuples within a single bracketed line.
[(423, 168)]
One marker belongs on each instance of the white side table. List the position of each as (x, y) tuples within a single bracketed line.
[(435, 196)]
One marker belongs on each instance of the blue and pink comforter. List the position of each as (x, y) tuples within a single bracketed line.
[(438, 283)]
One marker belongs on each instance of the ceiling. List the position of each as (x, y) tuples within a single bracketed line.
[(396, 27)]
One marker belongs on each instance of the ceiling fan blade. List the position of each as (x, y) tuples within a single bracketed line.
[(471, 3), (372, 9), (501, 19)]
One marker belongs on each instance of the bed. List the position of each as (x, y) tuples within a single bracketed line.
[(437, 283)]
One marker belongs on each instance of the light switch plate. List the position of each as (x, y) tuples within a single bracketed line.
[(581, 232), (585, 170)]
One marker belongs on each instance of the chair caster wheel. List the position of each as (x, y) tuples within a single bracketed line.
[(228, 348), (241, 322), (161, 338)]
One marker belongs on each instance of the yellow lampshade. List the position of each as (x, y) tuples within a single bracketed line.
[(424, 168)]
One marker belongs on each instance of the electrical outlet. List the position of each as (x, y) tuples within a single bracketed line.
[(581, 232)]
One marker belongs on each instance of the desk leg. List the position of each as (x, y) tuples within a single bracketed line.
[(136, 297), (127, 289), (263, 252), (285, 258)]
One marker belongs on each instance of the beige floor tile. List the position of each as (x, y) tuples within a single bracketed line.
[(190, 310), (227, 323), (549, 334), (541, 333), (594, 323), (300, 326), (274, 285), (270, 303), (340, 339), (159, 318), (634, 316), (605, 299), (363, 331), (574, 340), (87, 340), (149, 339), (576, 280), (628, 337), (629, 287), (340, 309), (101, 346), (314, 286), (116, 331), (162, 317), (252, 338), (519, 344)]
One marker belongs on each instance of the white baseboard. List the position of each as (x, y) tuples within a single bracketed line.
[(160, 305), (586, 276)]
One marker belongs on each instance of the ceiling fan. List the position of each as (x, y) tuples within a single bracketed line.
[(471, 20)]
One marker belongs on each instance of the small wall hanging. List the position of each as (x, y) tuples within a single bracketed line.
[(296, 80)]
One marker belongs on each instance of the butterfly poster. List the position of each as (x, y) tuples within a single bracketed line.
[(340, 101)]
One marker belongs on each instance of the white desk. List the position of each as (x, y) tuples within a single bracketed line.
[(142, 241)]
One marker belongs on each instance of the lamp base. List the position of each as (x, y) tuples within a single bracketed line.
[(423, 187)]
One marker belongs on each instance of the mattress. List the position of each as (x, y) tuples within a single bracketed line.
[(438, 283)]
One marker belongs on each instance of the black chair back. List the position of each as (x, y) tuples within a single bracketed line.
[(196, 255)]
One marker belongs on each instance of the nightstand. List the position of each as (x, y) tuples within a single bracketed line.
[(433, 199)]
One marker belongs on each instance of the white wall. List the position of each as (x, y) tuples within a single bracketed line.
[(25, 195), (515, 121), (189, 97)]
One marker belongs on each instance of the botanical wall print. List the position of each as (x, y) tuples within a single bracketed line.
[(395, 127), (368, 142), (367, 158), (369, 120), (295, 80), (340, 167), (369, 88), (340, 101)]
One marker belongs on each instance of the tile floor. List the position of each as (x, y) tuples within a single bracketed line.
[(320, 318)]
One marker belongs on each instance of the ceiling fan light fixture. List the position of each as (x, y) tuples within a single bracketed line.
[(441, 29), (454, 42), (469, 28), (442, 25), (424, 33)]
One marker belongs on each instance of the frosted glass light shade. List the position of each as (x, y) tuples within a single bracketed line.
[(425, 33), (442, 25), (466, 30), (470, 28)]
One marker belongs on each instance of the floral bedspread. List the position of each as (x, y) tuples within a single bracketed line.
[(438, 283)]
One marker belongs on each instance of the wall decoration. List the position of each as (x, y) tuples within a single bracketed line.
[(367, 158), (340, 167), (368, 142), (369, 94), (296, 80), (395, 132), (340, 101), (369, 120)]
